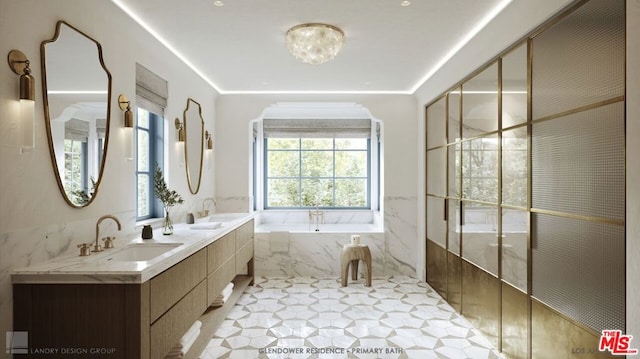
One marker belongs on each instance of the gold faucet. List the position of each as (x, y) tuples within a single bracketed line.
[(318, 215), (205, 211), (97, 247)]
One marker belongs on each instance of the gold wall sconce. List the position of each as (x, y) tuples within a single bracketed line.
[(181, 132), (19, 64), (209, 139), (125, 105)]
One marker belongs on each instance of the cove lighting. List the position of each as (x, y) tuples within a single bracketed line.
[(164, 42), (77, 92), (476, 29), (457, 92)]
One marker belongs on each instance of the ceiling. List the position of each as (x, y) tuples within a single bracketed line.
[(239, 47)]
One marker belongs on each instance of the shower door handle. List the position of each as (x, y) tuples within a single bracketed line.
[(445, 216)]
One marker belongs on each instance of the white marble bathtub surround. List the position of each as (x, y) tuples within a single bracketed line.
[(400, 235), (318, 254), (313, 254), (330, 217)]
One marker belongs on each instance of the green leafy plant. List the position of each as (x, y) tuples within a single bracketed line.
[(168, 197), (81, 197)]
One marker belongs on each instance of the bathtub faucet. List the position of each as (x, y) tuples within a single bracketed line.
[(318, 216)]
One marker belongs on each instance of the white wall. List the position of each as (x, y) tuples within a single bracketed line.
[(398, 112), (633, 171), (233, 113), (35, 222)]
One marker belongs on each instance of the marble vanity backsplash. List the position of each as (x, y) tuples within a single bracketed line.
[(39, 244), (235, 204)]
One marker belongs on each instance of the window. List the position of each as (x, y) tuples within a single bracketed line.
[(309, 172), (75, 163), (318, 162), (149, 152), (83, 154), (151, 100), (480, 169)]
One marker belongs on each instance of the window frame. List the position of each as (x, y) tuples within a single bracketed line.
[(156, 155), (83, 166), (300, 150)]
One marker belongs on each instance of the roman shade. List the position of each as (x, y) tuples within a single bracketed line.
[(151, 91), (317, 128)]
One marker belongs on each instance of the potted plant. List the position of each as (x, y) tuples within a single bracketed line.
[(168, 198)]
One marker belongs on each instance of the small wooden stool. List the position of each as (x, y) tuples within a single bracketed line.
[(351, 254)]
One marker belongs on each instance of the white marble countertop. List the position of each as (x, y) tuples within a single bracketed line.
[(97, 268)]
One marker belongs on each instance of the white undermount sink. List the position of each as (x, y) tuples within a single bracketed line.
[(139, 252)]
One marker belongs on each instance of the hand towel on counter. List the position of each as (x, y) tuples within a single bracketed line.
[(224, 296), (185, 343)]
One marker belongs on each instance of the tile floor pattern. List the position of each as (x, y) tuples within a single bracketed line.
[(401, 317)]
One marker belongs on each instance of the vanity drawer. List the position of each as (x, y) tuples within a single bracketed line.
[(168, 330), (244, 255), (220, 251), (174, 283), (244, 234), (218, 280)]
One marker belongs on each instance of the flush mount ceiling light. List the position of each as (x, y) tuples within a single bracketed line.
[(314, 43)]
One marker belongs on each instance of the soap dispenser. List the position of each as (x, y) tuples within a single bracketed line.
[(147, 232)]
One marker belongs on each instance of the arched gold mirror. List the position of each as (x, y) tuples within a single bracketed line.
[(194, 146), (76, 88)]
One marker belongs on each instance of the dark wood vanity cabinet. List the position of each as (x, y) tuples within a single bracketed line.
[(75, 320), (131, 320)]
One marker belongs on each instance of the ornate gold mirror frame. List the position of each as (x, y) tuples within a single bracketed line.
[(79, 101), (194, 145)]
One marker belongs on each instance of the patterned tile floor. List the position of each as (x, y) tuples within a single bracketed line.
[(397, 317)]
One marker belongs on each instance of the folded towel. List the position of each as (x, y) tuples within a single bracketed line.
[(224, 296), (220, 300), (185, 343), (228, 288), (206, 225), (193, 331), (180, 353)]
